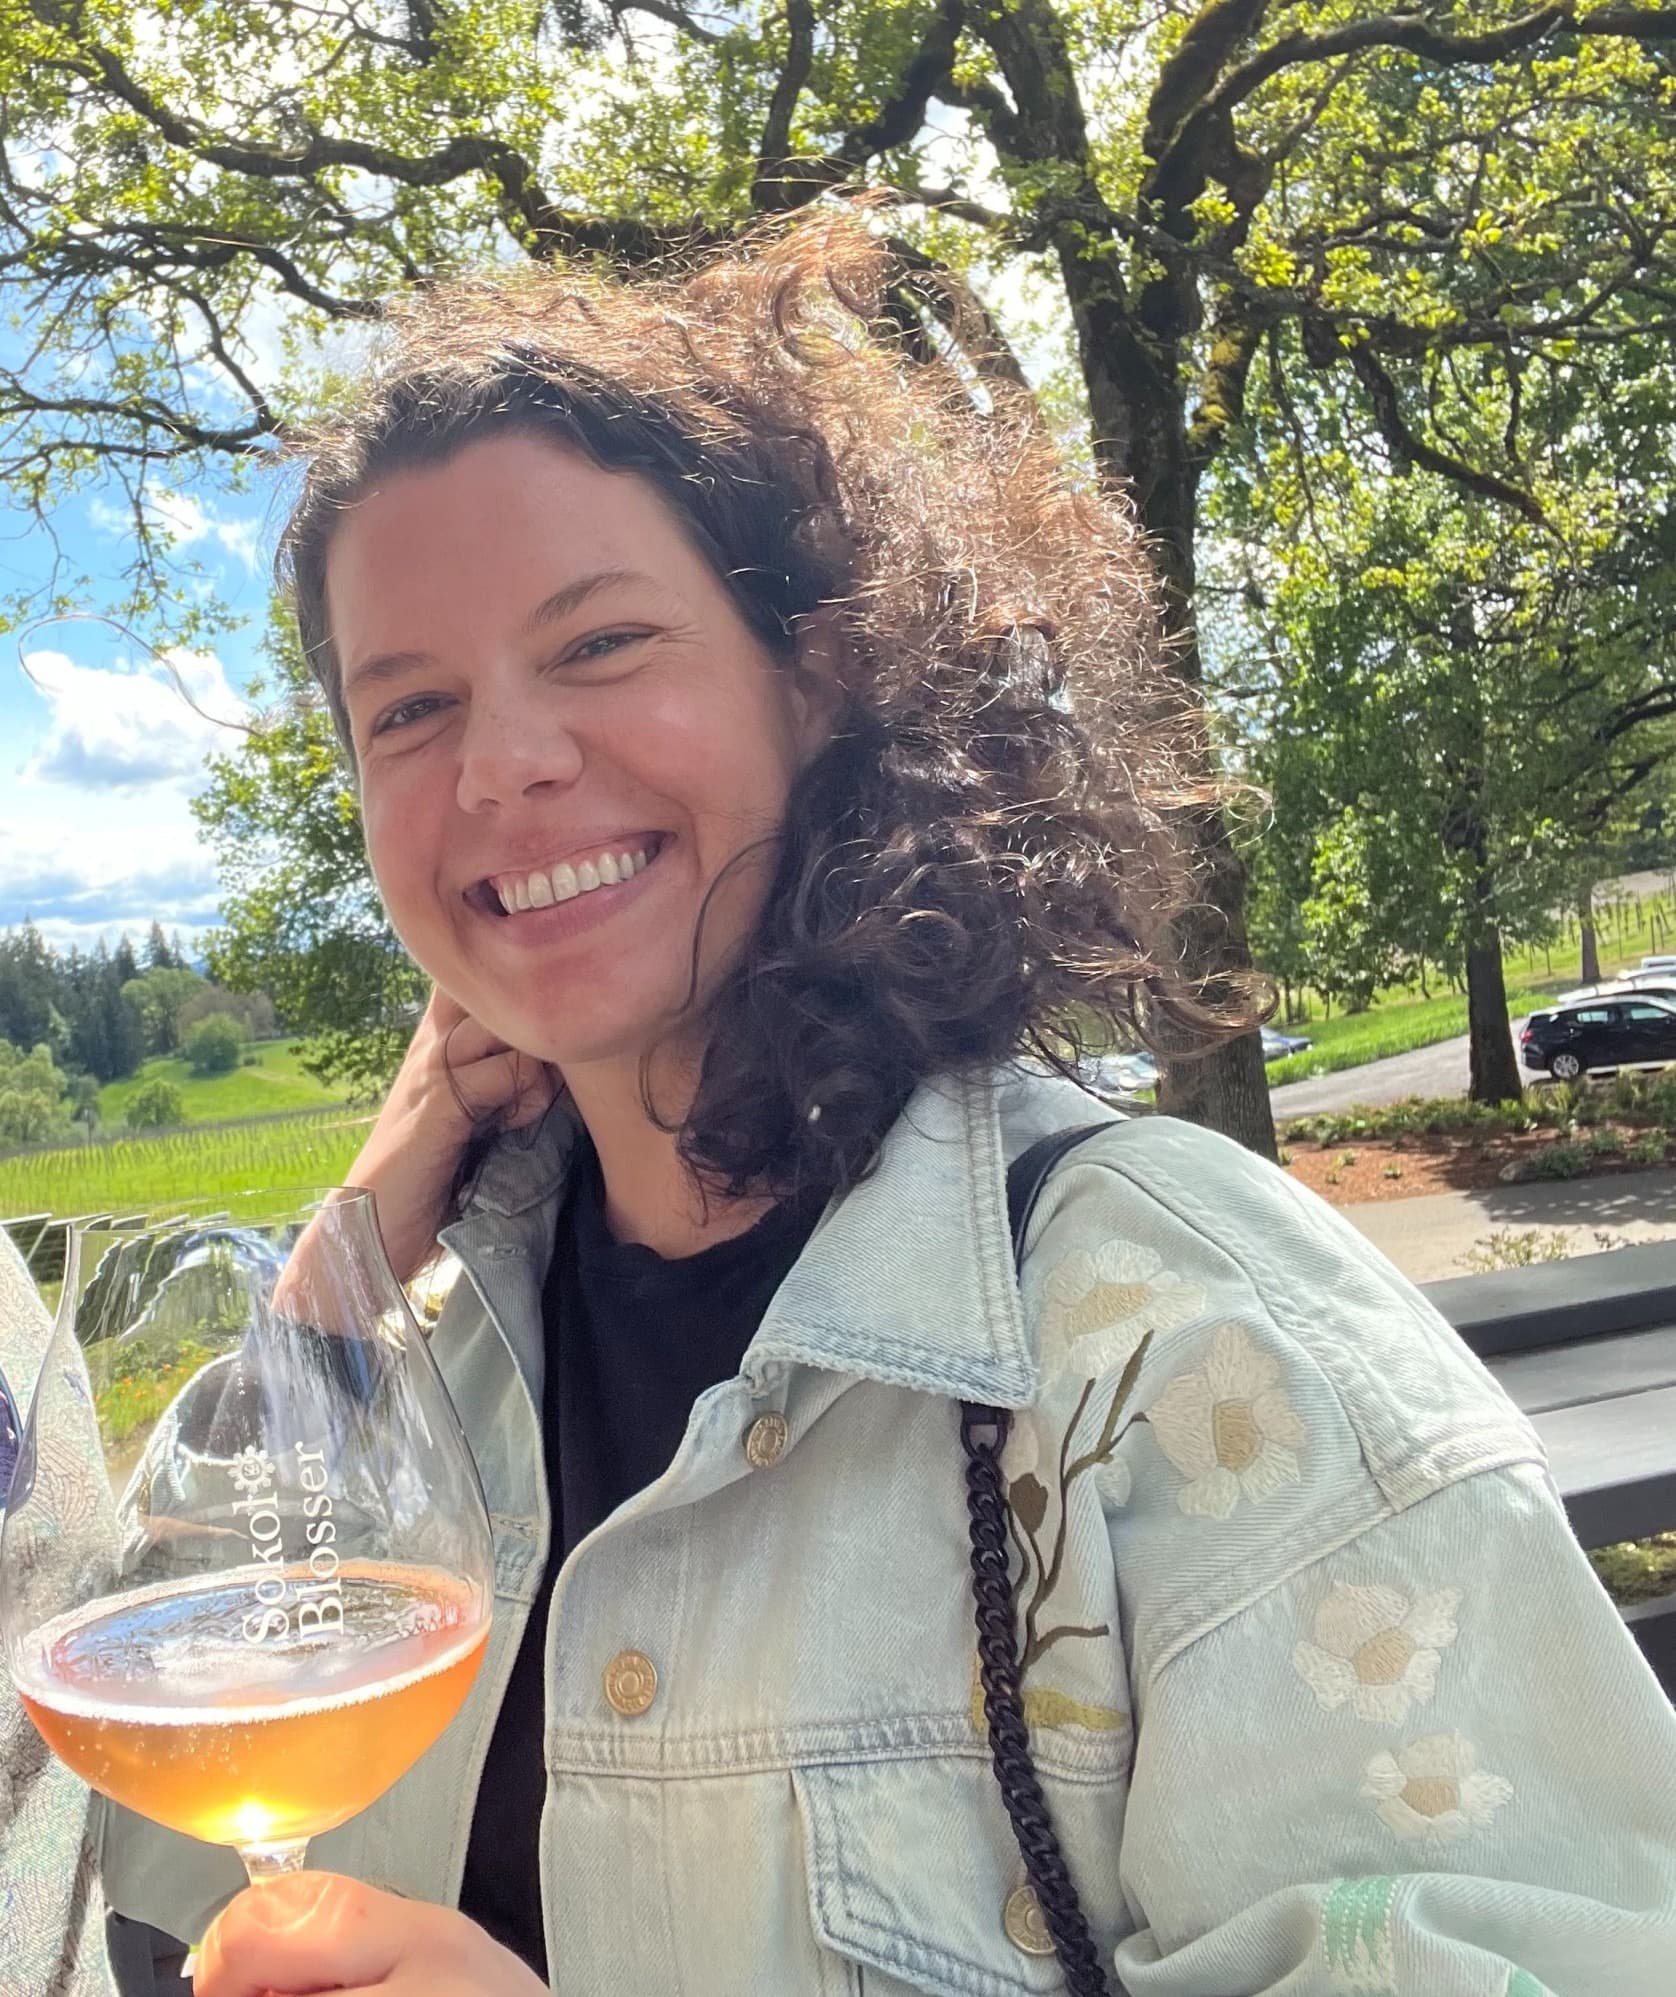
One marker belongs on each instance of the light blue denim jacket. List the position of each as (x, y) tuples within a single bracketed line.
[(1324, 1695)]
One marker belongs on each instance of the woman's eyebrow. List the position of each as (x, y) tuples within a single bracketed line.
[(384, 666), (393, 665), (574, 594)]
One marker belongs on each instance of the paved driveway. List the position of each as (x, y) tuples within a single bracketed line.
[(1428, 1237), (1438, 1070)]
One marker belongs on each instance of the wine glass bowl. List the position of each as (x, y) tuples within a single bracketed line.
[(246, 1568)]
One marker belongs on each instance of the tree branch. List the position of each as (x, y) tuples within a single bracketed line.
[(1409, 449), (1185, 79), (950, 201), (675, 17), (798, 181), (773, 154), (148, 413)]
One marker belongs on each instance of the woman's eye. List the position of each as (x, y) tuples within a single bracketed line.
[(405, 712), (614, 640)]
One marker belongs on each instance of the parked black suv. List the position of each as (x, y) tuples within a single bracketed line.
[(1621, 1032)]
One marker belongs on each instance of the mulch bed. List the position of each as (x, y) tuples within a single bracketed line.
[(1358, 1169)]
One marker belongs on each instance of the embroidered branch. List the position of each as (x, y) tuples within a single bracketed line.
[(1027, 1501)]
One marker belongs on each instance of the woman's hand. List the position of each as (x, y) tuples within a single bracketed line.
[(316, 1931), (454, 1075)]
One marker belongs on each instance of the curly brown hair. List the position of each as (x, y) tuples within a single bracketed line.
[(985, 861)]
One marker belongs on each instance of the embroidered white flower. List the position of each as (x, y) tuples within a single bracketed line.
[(1228, 1428), (1432, 1791), (1099, 1303), (1377, 1648)]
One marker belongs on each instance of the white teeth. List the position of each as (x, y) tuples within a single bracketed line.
[(565, 883)]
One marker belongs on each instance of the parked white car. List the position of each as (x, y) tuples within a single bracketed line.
[(1117, 1075)]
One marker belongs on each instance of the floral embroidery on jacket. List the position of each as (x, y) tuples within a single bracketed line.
[(1047, 1706), (1042, 1555), (1378, 1648), (1433, 1791), (1097, 1302), (1228, 1428), (1356, 1935)]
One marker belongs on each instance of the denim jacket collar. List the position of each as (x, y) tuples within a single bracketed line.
[(908, 1278)]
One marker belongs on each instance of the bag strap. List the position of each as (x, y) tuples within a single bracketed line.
[(983, 1434)]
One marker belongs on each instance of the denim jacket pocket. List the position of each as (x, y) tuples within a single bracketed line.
[(910, 1867)]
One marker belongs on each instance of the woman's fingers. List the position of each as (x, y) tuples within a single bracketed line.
[(314, 1931), (514, 1085), (308, 1932)]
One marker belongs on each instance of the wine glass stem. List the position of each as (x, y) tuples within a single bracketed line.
[(263, 1862)]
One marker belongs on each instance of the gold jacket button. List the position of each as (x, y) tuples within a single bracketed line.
[(1022, 1919), (765, 1441), (631, 1683)]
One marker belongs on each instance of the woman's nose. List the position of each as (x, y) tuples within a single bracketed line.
[(509, 754)]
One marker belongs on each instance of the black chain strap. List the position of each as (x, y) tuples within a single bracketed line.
[(983, 1433)]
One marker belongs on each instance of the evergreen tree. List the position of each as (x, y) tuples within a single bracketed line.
[(158, 954)]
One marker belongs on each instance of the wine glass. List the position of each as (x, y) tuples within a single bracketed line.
[(246, 1569)]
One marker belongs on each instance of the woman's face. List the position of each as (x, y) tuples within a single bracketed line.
[(565, 732)]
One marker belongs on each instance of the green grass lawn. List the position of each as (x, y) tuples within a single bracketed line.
[(1393, 1025), (141, 1171), (1400, 1020), (276, 1082)]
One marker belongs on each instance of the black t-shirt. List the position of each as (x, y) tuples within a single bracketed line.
[(632, 1340)]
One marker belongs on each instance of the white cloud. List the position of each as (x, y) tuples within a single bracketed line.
[(131, 727), (97, 872), (64, 935), (185, 521)]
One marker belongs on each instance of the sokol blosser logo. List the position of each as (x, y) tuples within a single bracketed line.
[(311, 1593)]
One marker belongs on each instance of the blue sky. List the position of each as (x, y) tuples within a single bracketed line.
[(100, 751)]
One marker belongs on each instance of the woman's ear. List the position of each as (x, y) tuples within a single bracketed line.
[(817, 675)]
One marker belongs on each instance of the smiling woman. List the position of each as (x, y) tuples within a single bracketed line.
[(934, 1553), (873, 683)]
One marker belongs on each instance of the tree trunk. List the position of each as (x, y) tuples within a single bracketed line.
[(1590, 973), (1493, 1067), (1139, 410), (1131, 346)]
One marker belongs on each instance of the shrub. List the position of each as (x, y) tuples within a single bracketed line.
[(1558, 1161), (1515, 1248), (154, 1106), (32, 1105), (213, 1046), (1629, 1095)]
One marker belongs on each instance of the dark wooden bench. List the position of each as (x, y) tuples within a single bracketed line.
[(1587, 1348)]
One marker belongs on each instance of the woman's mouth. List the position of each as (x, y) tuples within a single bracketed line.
[(516, 894)]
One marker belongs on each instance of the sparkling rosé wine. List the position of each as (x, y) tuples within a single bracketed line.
[(160, 1701)]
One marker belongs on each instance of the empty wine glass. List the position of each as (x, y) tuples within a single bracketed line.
[(246, 1569)]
